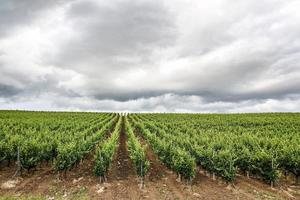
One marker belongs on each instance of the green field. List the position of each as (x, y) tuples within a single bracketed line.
[(263, 146)]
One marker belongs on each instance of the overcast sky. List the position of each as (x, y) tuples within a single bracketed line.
[(150, 55)]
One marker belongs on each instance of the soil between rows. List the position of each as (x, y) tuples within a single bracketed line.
[(121, 178), (122, 167)]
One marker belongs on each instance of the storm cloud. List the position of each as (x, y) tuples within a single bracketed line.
[(142, 55)]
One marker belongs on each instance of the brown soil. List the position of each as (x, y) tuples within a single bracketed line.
[(122, 182), (122, 167), (121, 179)]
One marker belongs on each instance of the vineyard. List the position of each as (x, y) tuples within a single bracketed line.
[(69, 155)]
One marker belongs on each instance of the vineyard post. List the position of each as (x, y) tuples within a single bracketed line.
[(58, 175), (207, 173), (213, 174), (190, 182), (285, 175), (100, 177), (272, 164), (142, 181), (65, 173), (178, 177), (19, 167)]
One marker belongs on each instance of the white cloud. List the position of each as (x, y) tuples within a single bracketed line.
[(217, 56), (163, 103)]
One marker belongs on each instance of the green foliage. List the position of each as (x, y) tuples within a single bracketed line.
[(261, 144), (4, 149), (183, 163), (45, 136), (173, 156), (265, 165), (29, 154), (289, 159), (69, 154), (105, 152), (67, 157), (137, 152)]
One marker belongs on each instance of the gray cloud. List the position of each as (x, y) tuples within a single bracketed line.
[(221, 56), (113, 35), (15, 13), (8, 90)]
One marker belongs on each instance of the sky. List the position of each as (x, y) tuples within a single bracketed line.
[(220, 56)]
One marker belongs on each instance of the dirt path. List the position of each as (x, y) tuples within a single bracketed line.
[(261, 190), (122, 181), (45, 182), (122, 167), (160, 181)]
